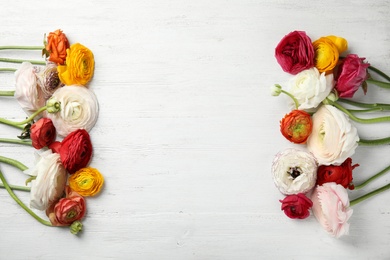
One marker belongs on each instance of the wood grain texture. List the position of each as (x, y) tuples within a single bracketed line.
[(187, 129)]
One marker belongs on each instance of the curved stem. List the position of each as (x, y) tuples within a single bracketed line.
[(365, 105), (12, 194), (13, 162), (12, 123), (358, 119), (382, 172), (15, 47), (37, 62), (378, 83), (292, 97), (8, 69), (16, 187), (10, 93), (379, 72), (365, 110), (368, 195), (15, 141), (374, 142)]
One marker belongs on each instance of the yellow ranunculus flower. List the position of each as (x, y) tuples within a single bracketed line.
[(341, 43), (79, 66), (86, 181), (326, 54)]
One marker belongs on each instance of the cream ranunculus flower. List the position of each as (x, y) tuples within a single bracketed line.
[(310, 88), (331, 208), (333, 138), (51, 177), (27, 92), (294, 171), (79, 109)]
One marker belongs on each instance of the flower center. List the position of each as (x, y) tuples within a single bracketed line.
[(294, 172)]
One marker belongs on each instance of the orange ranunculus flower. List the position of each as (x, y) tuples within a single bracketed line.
[(326, 54), (86, 181), (340, 42), (56, 46), (296, 126), (79, 66)]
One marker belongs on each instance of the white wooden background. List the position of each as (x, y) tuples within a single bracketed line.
[(187, 129)]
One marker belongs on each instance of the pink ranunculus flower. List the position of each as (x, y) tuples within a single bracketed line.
[(50, 180), (27, 92), (350, 75), (333, 138), (331, 208), (295, 52)]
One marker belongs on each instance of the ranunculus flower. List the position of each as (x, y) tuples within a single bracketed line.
[(310, 88), (42, 133), (294, 171), (86, 181), (340, 174), (296, 126), (67, 210), (295, 52), (75, 150), (57, 44), (79, 66), (50, 180), (48, 80), (79, 109), (326, 54), (333, 138), (350, 75), (27, 92), (331, 208), (296, 206)]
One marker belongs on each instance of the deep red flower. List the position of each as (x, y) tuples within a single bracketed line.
[(341, 174), (296, 206)]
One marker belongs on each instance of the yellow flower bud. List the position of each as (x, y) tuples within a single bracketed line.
[(326, 54), (86, 181)]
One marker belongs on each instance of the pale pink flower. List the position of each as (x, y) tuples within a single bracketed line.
[(331, 208)]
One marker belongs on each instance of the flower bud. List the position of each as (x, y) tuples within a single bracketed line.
[(76, 227), (276, 90), (53, 106)]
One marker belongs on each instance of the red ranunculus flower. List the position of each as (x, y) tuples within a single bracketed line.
[(296, 206), (295, 52), (68, 209), (75, 150), (351, 74), (296, 126), (341, 174), (42, 133)]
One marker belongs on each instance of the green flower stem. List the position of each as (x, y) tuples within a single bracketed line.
[(8, 69), (13, 47), (36, 62), (379, 174), (12, 194), (358, 119), (365, 105), (365, 110), (379, 72), (12, 123), (378, 83), (15, 187), (374, 142), (5, 93), (368, 195), (15, 141), (14, 163), (292, 97)]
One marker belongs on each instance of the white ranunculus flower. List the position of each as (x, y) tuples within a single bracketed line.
[(27, 92), (79, 109), (333, 138), (310, 88), (294, 171), (49, 185)]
